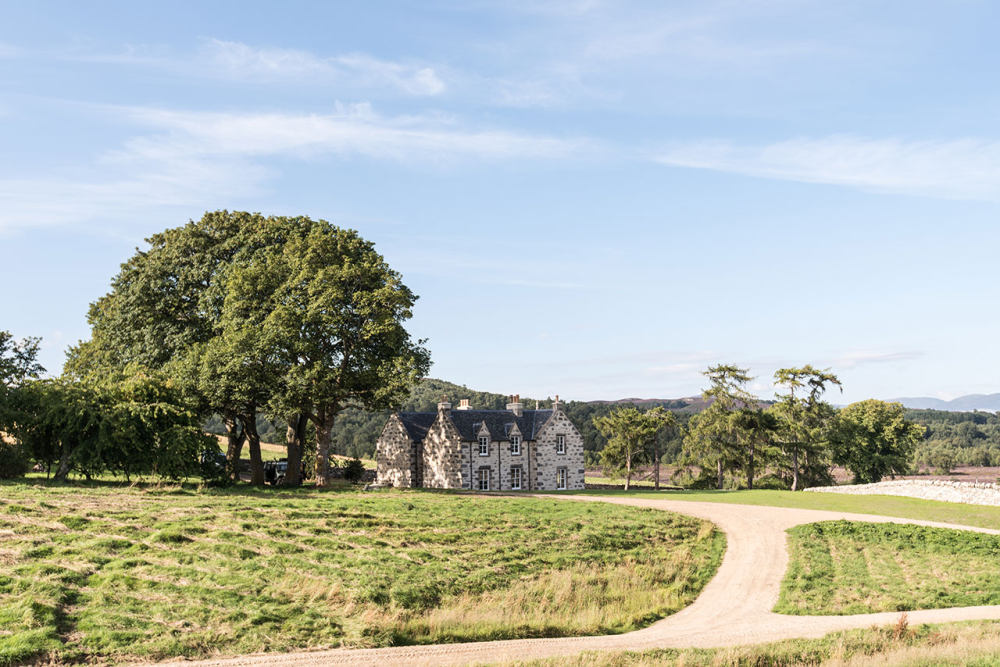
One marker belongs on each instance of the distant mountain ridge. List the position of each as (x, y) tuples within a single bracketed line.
[(968, 403)]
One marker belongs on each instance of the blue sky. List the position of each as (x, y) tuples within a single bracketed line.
[(596, 199)]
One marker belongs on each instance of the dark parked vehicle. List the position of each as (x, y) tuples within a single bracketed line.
[(274, 472)]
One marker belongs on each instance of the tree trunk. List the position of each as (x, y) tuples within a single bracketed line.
[(795, 469), (324, 427), (235, 436), (719, 471), (294, 436), (750, 470), (63, 467), (253, 439), (656, 465), (628, 470)]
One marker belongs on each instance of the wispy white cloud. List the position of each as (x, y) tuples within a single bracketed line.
[(956, 169), (192, 158), (850, 360), (245, 61), (348, 130)]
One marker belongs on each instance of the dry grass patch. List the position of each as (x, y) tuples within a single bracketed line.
[(925, 645)]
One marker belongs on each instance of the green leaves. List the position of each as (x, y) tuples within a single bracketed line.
[(629, 432), (128, 424), (873, 439), (285, 316)]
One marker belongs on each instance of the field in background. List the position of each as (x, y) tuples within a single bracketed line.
[(841, 567), (898, 506), (644, 475), (273, 452), (107, 572)]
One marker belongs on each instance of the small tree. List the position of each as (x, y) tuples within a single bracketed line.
[(873, 439), (664, 420), (18, 365), (712, 439), (628, 431), (804, 420)]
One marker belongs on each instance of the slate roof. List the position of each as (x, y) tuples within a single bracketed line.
[(468, 422), (417, 423)]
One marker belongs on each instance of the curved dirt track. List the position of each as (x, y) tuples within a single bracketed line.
[(735, 607)]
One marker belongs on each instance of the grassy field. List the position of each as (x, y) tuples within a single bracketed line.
[(926, 645), (898, 506), (841, 567), (109, 572), (273, 452)]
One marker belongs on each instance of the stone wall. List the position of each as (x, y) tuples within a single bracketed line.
[(442, 455), (396, 456), (974, 493), (546, 462)]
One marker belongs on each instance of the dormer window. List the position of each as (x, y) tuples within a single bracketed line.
[(484, 446), (560, 444), (515, 445)]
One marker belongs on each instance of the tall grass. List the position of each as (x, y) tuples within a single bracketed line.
[(109, 572)]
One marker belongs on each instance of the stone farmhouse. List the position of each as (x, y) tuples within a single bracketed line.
[(484, 450)]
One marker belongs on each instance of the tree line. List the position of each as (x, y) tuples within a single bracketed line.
[(237, 315), (795, 440)]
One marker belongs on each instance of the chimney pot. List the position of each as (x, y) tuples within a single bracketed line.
[(515, 405)]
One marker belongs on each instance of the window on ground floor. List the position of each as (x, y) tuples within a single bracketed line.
[(561, 478), (483, 480), (515, 478)]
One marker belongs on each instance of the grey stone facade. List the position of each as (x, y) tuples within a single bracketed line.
[(498, 450)]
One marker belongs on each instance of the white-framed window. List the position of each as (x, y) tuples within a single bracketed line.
[(483, 479), (515, 445), (515, 478), (561, 478), (484, 446), (560, 444)]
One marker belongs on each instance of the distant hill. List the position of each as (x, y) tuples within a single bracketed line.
[(981, 402), (686, 404)]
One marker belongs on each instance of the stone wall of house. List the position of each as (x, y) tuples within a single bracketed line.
[(501, 459), (442, 455), (396, 456), (546, 462), (474, 461)]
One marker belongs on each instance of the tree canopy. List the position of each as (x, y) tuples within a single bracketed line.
[(873, 439), (291, 317)]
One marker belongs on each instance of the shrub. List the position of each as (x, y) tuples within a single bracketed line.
[(13, 460), (354, 470)]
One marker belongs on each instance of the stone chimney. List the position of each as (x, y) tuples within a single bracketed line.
[(515, 405), (444, 405), (556, 404), (463, 404)]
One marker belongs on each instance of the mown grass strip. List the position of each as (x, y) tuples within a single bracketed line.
[(842, 567)]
